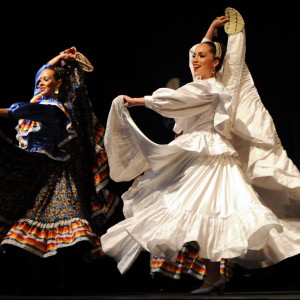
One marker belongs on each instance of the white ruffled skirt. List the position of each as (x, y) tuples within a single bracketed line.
[(199, 196)]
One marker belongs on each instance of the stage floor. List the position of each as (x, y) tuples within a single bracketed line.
[(249, 295), (101, 280)]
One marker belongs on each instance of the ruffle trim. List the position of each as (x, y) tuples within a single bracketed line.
[(44, 240), (217, 238), (25, 127), (187, 262)]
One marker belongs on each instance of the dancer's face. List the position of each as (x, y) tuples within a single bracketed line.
[(204, 61), (48, 84)]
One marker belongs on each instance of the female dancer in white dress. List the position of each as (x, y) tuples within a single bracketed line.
[(224, 186)]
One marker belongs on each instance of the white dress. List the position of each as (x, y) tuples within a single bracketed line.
[(226, 184)]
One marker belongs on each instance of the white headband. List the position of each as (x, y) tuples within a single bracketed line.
[(218, 50)]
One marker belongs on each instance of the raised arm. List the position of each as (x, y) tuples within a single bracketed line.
[(218, 22), (62, 56)]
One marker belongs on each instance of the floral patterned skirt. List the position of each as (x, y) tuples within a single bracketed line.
[(46, 204)]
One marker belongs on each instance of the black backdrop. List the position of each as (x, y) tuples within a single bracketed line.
[(137, 46)]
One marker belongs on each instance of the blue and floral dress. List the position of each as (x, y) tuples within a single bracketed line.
[(54, 183)]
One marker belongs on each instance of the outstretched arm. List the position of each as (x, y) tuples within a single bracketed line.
[(129, 102)]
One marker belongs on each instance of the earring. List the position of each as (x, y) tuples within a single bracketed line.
[(213, 72), (56, 91)]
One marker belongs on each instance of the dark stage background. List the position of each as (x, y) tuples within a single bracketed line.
[(136, 47)]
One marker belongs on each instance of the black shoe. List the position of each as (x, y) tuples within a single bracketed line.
[(218, 287)]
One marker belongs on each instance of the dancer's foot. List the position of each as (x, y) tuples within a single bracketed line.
[(208, 287)]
